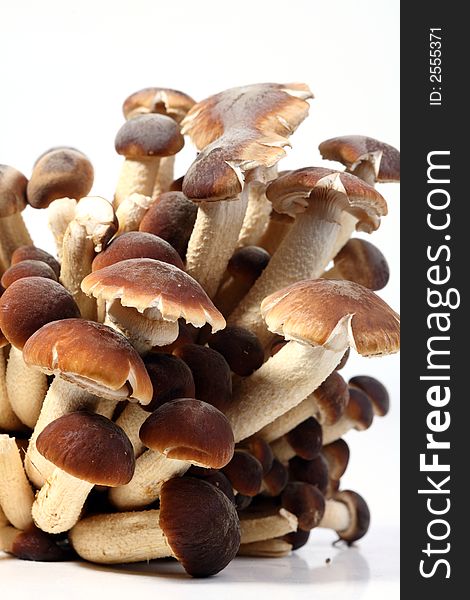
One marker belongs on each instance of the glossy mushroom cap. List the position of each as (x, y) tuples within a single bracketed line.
[(261, 450), (375, 390), (332, 398), (248, 263), (306, 439), (306, 502), (240, 348), (33, 253), (275, 479), (362, 262), (350, 150), (359, 516), (147, 283), (147, 136), (294, 192), (211, 374), (104, 362), (337, 457), (12, 191), (313, 471), (36, 545), (215, 478), (201, 525), (59, 173), (171, 217), (135, 244), (245, 473), (165, 101), (171, 379), (30, 303), (359, 409), (27, 268), (308, 312), (89, 447), (191, 430)]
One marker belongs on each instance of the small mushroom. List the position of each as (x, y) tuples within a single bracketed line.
[(336, 455), (315, 471), (261, 450), (240, 348), (375, 390), (305, 440), (131, 211), (34, 253), (245, 473), (87, 449), (60, 214), (297, 539), (197, 524), (306, 502), (358, 415), (27, 268), (347, 514), (275, 480)]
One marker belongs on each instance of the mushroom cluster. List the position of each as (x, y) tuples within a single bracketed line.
[(170, 381)]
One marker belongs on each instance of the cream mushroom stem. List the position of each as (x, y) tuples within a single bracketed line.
[(8, 419), (131, 211), (272, 548), (59, 502), (137, 176), (214, 239), (8, 535), (13, 234), (165, 176), (282, 450), (120, 538), (285, 380), (152, 470), (130, 421), (59, 215), (256, 528), (303, 254), (331, 433), (336, 516), (367, 167), (16, 495), (26, 388), (62, 398)]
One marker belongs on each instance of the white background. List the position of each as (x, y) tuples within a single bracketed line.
[(65, 70)]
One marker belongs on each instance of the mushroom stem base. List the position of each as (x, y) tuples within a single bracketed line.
[(336, 516)]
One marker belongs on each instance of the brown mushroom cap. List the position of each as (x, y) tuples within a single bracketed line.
[(34, 544), (353, 149), (59, 173), (240, 348), (12, 191), (33, 253), (362, 262), (306, 502), (375, 390), (89, 447), (261, 450), (297, 539), (27, 268), (177, 184), (313, 471), (332, 398), (293, 192), (359, 514), (211, 374), (337, 457), (30, 303), (144, 283), (308, 311), (359, 409), (135, 244), (147, 136), (248, 263), (344, 360), (171, 217), (165, 101), (275, 479), (103, 362), (306, 439), (245, 473), (171, 379), (191, 430), (215, 478), (201, 525)]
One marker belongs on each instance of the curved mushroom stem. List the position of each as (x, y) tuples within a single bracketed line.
[(284, 381), (275, 232), (165, 176), (59, 502), (13, 234), (152, 469), (230, 294), (336, 516), (131, 211), (348, 226), (120, 537), (331, 433), (282, 450), (213, 240), (273, 548), (286, 422), (303, 254), (26, 388), (136, 177), (8, 419), (59, 215), (255, 528), (16, 495), (130, 421), (257, 214)]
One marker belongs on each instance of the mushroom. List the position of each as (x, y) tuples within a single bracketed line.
[(131, 211), (197, 524), (100, 371), (315, 471), (375, 391), (256, 526), (358, 415), (59, 173), (245, 473), (326, 404), (261, 450), (362, 262), (306, 502), (275, 480), (16, 495), (28, 304), (215, 478), (87, 449), (347, 514), (59, 215), (320, 197), (94, 224), (178, 434), (336, 455), (241, 349), (241, 133), (321, 318), (164, 101), (171, 217), (244, 268), (305, 440), (33, 253), (143, 141), (146, 297), (27, 268), (13, 232), (367, 158), (296, 539)]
